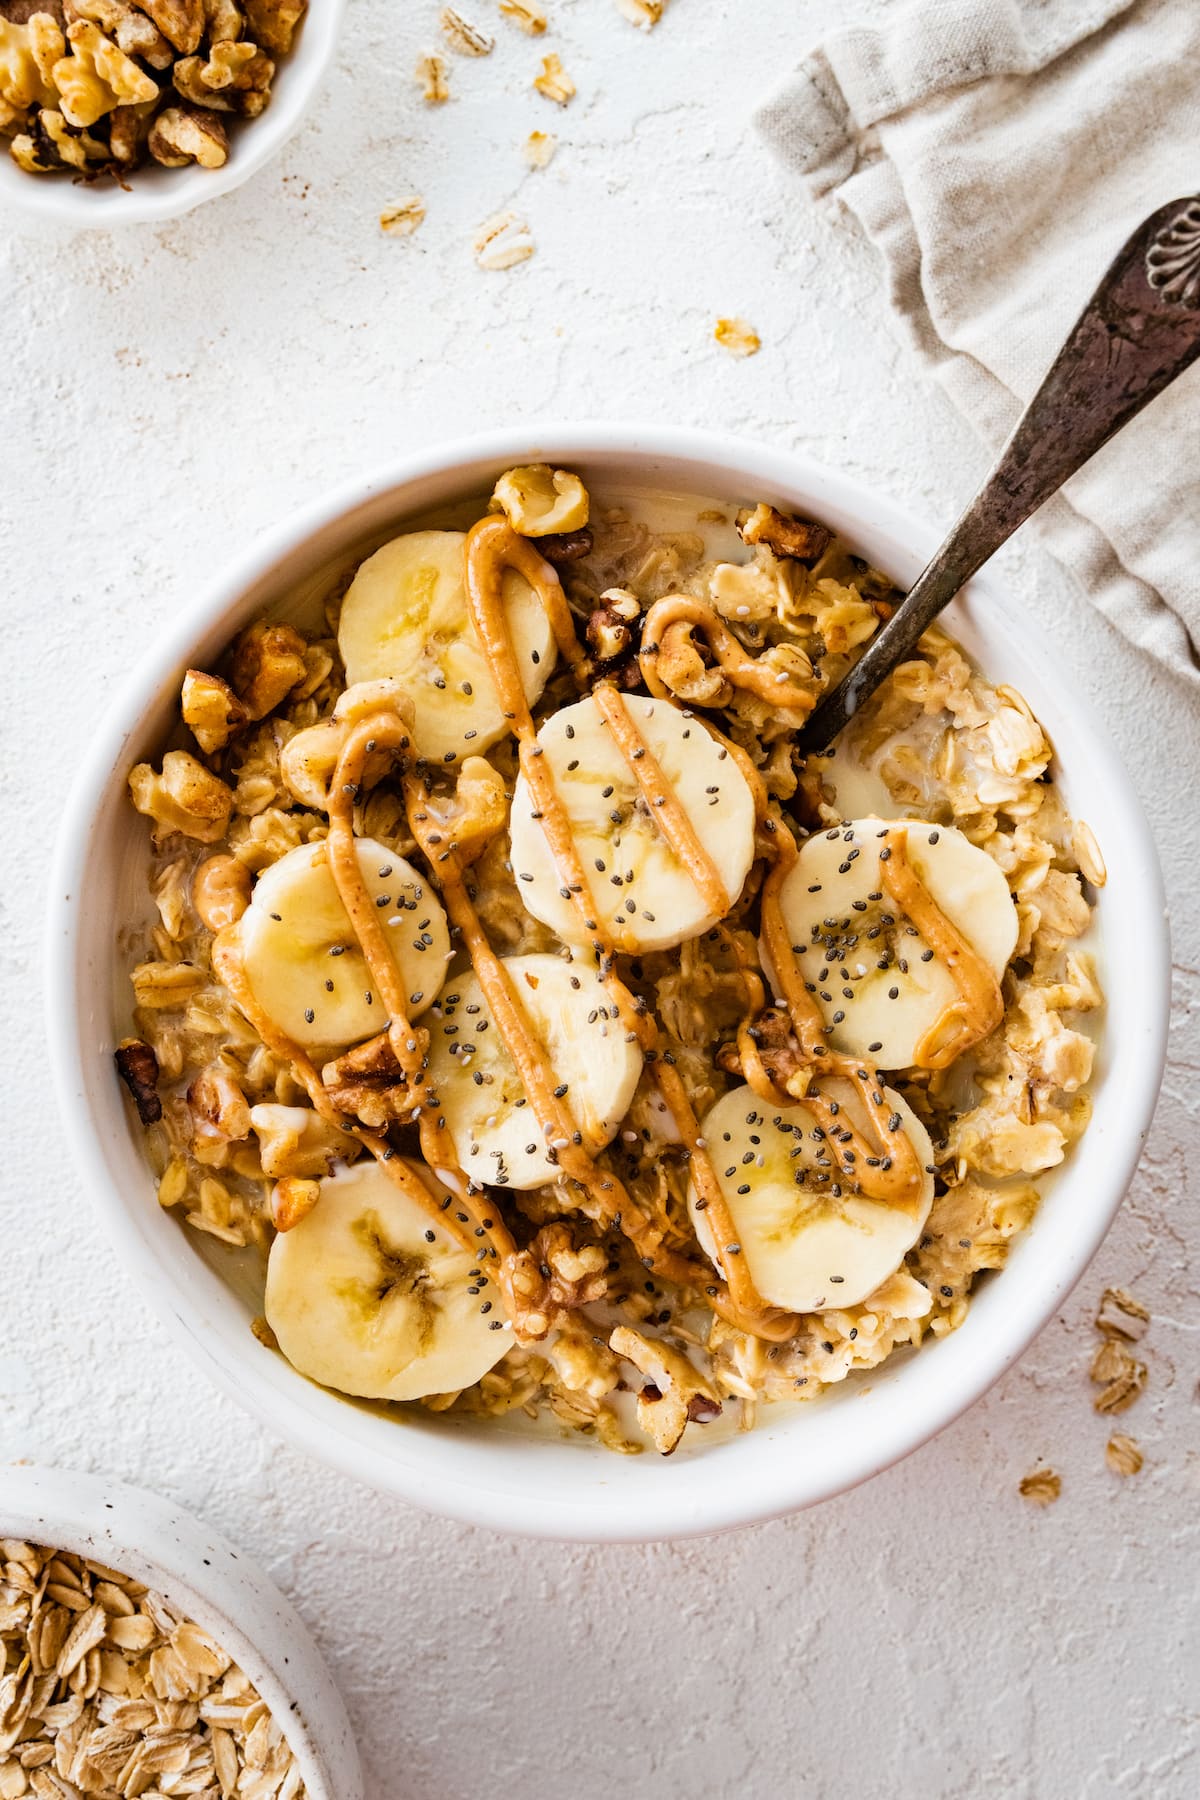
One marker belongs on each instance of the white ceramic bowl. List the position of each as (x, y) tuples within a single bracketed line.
[(542, 1485), (155, 193), (206, 1579)]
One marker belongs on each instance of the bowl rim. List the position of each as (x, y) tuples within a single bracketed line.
[(702, 1507), (201, 1575), (78, 205)]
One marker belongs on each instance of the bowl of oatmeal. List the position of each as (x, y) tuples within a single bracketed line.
[(140, 1652), (523, 1077)]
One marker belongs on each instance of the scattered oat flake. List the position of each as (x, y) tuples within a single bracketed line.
[(1123, 1454), (402, 217), (554, 82), (736, 336), (1120, 1315), (643, 13), (538, 149), (432, 75), (502, 241), (467, 39), (530, 18), (1087, 854), (1041, 1486)]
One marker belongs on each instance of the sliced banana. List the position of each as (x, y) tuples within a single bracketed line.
[(496, 1136), (808, 1240), (645, 898), (878, 984), (405, 616), (302, 958), (369, 1295)]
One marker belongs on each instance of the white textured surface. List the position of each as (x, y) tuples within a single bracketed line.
[(173, 390)]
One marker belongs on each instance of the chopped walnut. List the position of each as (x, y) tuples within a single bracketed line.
[(1123, 1454), (784, 534), (96, 76), (480, 810), (28, 53), (211, 709), (402, 217), (550, 1279), (128, 131), (137, 1066), (502, 241), (223, 21), (272, 23), (560, 547), (186, 134), (1042, 1486), (467, 39), (525, 14), (128, 26), (736, 336), (611, 637), (538, 149), (218, 1103), (180, 21), (676, 1391), (268, 662), (553, 82), (1120, 1315), (295, 1140), (431, 73), (185, 797), (538, 500), (292, 1199), (50, 143), (235, 79), (368, 1084)]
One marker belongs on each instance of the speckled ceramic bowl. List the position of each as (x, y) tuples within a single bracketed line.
[(501, 1474), (154, 194), (206, 1579)]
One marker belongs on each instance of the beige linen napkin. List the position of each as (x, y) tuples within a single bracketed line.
[(998, 153)]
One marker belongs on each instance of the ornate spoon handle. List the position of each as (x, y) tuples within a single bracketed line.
[(1140, 330)]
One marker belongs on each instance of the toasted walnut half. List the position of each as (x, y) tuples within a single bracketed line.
[(127, 25), (218, 1104), (296, 1141), (180, 21), (538, 500), (786, 535), (137, 1066), (187, 134), (211, 710), (128, 131), (96, 76), (368, 1083), (185, 797), (272, 23), (268, 662), (550, 1279), (676, 1392), (292, 1199), (28, 54)]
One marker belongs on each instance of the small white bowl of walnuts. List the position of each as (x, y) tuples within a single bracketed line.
[(142, 1654), (134, 111)]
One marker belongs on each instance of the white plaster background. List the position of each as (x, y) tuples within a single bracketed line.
[(173, 390)]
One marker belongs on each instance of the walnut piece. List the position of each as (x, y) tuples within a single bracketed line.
[(96, 76), (268, 662), (128, 26), (185, 797), (296, 1141), (25, 74), (550, 1279), (186, 134), (137, 1066), (675, 1393), (402, 217), (801, 539), (272, 23), (538, 500), (368, 1084), (431, 73), (467, 39), (128, 131), (211, 710), (218, 1103), (553, 82), (560, 547), (292, 1199), (611, 638), (180, 21)]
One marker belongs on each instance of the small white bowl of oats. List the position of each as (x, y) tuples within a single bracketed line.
[(138, 1649), (121, 112), (549, 1097)]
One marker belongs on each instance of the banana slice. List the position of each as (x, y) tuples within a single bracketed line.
[(807, 1246), (496, 1136), (363, 1301), (875, 978), (302, 958), (405, 616), (645, 898)]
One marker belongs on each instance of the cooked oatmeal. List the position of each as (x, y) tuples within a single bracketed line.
[(547, 1029)]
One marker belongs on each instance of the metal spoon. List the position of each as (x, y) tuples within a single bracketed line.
[(1140, 330)]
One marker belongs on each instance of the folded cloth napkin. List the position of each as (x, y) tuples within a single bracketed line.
[(998, 153)]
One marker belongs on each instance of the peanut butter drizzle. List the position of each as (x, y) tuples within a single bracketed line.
[(491, 547), (744, 671), (980, 1004), (888, 1170), (661, 799), (228, 965)]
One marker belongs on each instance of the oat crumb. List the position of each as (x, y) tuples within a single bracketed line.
[(432, 75), (402, 217), (1041, 1486), (538, 149), (736, 336), (1121, 1376), (502, 241), (1123, 1454), (554, 82), (524, 14), (1120, 1315), (462, 36), (645, 14)]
